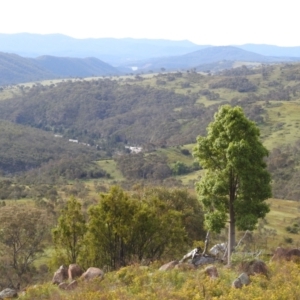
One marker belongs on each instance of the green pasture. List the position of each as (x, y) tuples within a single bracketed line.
[(282, 124), (282, 214), (109, 165), (174, 154)]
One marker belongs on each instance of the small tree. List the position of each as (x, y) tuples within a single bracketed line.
[(68, 234), (23, 235), (236, 181)]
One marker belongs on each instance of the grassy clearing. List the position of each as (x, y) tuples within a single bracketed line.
[(174, 154), (189, 179), (283, 214), (282, 124), (8, 93), (110, 167)]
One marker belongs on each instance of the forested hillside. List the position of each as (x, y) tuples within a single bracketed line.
[(93, 110), (25, 149), (162, 111), (15, 69)]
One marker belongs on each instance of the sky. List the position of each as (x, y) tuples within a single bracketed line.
[(204, 22)]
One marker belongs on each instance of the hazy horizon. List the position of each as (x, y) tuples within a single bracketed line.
[(214, 23)]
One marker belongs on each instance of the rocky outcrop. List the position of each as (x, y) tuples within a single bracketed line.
[(200, 260), (286, 254), (72, 285), (169, 266), (8, 293), (212, 272), (63, 285), (68, 286), (74, 271), (293, 255), (254, 267), (242, 280), (92, 273), (60, 275)]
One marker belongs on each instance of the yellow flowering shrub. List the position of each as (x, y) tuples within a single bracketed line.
[(143, 283)]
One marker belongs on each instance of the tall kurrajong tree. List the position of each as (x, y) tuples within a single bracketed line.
[(236, 182)]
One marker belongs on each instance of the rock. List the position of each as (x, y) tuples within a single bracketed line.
[(293, 254), (218, 250), (237, 283), (92, 273), (8, 293), (287, 254), (60, 275), (63, 285), (74, 271), (72, 286), (191, 254), (169, 266), (278, 254), (242, 280), (254, 267), (185, 266), (212, 272), (203, 260)]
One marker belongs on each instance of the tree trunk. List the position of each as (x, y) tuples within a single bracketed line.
[(231, 232), (206, 244)]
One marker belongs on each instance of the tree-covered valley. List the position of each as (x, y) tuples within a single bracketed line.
[(160, 114)]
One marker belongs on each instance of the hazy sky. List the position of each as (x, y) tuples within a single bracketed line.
[(214, 22)]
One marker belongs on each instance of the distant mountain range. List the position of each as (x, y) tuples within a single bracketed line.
[(113, 51), (206, 56), (116, 51), (70, 66), (271, 50), (16, 69), (58, 56)]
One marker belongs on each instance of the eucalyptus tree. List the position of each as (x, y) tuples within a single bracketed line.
[(236, 182), (24, 234)]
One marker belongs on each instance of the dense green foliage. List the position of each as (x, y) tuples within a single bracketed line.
[(142, 227), (93, 110), (241, 84), (236, 181), (140, 166), (69, 233)]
